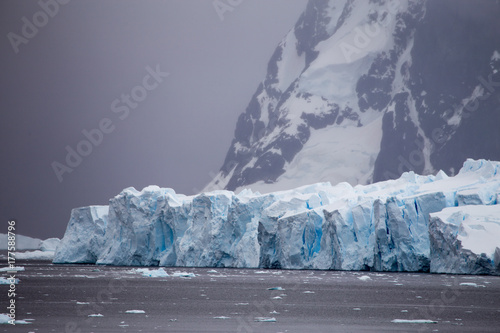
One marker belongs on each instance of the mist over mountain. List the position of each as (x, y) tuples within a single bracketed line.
[(362, 91)]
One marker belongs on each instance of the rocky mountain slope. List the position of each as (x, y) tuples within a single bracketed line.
[(362, 91)]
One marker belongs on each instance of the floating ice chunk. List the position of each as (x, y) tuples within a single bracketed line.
[(222, 317), (212, 271), (160, 272), (12, 269), (472, 284), (96, 315), (308, 292), (275, 288), (265, 319), (364, 278), (5, 319), (84, 276), (135, 311), (183, 274), (413, 321), (82, 303), (8, 281)]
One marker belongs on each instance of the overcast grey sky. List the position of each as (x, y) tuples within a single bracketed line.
[(88, 66)]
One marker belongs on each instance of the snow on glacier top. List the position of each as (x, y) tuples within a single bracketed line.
[(472, 176), (408, 185)]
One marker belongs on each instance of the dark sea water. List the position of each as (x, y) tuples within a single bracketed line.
[(60, 298)]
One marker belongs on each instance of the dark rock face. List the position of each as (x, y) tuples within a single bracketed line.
[(434, 83), (451, 58)]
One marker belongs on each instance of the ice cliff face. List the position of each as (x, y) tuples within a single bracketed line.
[(362, 91), (395, 225), (85, 235), (465, 239)]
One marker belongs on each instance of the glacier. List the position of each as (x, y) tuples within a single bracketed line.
[(433, 223), (22, 242), (466, 239), (40, 249)]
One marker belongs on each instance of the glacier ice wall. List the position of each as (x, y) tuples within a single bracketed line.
[(388, 226), (465, 240), (84, 238)]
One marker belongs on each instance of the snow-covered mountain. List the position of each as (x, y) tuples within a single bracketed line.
[(416, 223), (362, 91)]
